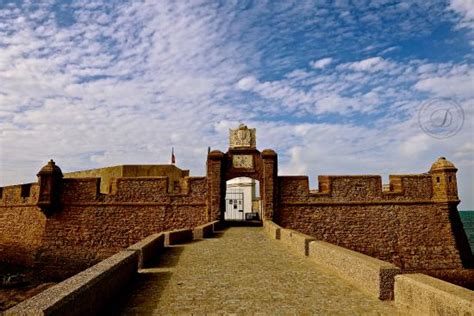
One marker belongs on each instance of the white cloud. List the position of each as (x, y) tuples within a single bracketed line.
[(125, 84), (415, 145), (458, 85), (321, 63), (247, 83), (370, 65), (465, 8)]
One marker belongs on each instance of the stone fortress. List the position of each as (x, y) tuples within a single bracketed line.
[(65, 223)]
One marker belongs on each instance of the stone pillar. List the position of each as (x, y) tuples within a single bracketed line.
[(50, 180), (270, 185), (215, 185)]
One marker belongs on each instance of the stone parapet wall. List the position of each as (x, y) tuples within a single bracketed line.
[(19, 195), (354, 189), (371, 275), (414, 294), (90, 291), (108, 174), (412, 222), (205, 231), (272, 229), (148, 248), (376, 277), (81, 191), (414, 236), (179, 236), (85, 293), (298, 241), (88, 226), (419, 294)]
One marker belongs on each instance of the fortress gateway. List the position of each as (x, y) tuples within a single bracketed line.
[(65, 223)]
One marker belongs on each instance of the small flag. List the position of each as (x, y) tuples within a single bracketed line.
[(173, 158)]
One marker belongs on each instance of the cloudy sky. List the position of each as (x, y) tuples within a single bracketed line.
[(335, 87)]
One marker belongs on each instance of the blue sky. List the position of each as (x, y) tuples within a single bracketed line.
[(335, 87)]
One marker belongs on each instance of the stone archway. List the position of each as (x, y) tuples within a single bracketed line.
[(241, 160)]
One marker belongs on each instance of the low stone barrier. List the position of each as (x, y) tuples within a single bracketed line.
[(204, 231), (272, 229), (88, 292), (218, 225), (148, 248), (179, 236), (85, 293), (420, 294), (371, 275), (296, 240)]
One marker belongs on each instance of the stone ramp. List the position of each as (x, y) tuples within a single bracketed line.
[(241, 271)]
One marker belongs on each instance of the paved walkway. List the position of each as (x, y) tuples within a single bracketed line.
[(242, 271)]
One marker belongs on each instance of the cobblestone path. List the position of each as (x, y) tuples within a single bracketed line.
[(242, 272)]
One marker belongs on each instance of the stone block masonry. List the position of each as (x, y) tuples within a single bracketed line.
[(371, 275), (272, 229), (86, 226), (296, 240), (148, 248), (90, 291), (414, 294), (205, 231), (419, 294), (63, 225), (414, 224), (179, 236), (85, 293)]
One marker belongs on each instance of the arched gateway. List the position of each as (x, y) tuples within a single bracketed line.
[(241, 160)]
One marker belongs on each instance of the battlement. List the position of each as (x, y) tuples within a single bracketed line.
[(19, 194), (360, 188), (133, 190)]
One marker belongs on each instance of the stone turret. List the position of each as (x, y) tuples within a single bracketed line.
[(443, 173), (50, 185)]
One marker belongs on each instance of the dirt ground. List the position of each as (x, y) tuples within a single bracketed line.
[(19, 284)]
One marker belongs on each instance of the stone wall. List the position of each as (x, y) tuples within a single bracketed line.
[(108, 174), (90, 226), (404, 225), (21, 224), (414, 224), (419, 294)]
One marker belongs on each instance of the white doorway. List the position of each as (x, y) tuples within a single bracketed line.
[(242, 200)]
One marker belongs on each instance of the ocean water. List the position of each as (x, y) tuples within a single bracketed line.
[(467, 218)]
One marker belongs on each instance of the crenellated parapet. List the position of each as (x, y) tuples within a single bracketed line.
[(438, 185), (412, 221), (19, 195), (135, 190)]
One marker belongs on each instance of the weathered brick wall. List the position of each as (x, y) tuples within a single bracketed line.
[(414, 224), (403, 226), (90, 226), (21, 224)]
